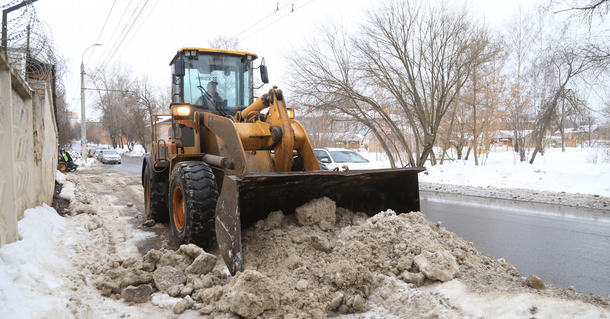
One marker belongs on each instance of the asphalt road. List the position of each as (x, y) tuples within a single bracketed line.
[(564, 246), (128, 165)]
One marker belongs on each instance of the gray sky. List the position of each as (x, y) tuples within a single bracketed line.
[(165, 26)]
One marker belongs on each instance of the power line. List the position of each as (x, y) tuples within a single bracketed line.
[(278, 9), (166, 79), (103, 27), (138, 30), (293, 10), (108, 47), (125, 36), (251, 19), (126, 33)]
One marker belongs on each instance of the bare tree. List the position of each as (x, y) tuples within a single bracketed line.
[(553, 62), (113, 100), (399, 76), (147, 103), (518, 104), (587, 10), (573, 62), (587, 123), (94, 134), (569, 104), (481, 92), (422, 55), (66, 132), (459, 130), (326, 79), (519, 111), (519, 38), (225, 43)]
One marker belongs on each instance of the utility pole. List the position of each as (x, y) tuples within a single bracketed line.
[(83, 121)]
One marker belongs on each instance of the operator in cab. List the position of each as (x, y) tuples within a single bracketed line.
[(211, 99)]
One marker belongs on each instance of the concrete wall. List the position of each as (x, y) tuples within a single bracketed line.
[(28, 149)]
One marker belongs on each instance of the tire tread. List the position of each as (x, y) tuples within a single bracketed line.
[(201, 195)]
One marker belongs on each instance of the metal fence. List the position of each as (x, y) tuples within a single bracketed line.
[(28, 43)]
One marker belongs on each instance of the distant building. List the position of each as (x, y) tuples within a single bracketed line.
[(74, 118), (585, 134)]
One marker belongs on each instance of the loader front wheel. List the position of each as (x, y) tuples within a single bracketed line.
[(155, 199), (193, 194)]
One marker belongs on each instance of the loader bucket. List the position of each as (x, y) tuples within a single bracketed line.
[(246, 199)]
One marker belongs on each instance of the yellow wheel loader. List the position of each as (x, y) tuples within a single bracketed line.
[(221, 160)]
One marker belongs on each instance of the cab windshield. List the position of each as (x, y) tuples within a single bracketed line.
[(218, 82)]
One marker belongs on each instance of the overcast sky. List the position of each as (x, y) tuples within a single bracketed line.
[(162, 27)]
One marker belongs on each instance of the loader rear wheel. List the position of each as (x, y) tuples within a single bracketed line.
[(155, 199), (193, 195), (63, 167)]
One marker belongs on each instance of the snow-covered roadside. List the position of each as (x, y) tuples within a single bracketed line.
[(577, 171), (138, 151), (522, 194), (579, 177), (45, 274)]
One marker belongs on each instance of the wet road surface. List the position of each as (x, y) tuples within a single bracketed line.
[(123, 181), (128, 165), (564, 246)]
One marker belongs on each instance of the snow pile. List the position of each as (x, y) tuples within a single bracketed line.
[(138, 151), (85, 162), (325, 273), (30, 269), (384, 266), (68, 188), (300, 270)]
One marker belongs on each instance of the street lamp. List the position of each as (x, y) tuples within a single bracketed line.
[(83, 121)]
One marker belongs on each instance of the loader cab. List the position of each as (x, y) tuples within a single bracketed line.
[(195, 71)]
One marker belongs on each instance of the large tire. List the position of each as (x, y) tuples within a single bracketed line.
[(193, 194), (155, 199), (62, 167)]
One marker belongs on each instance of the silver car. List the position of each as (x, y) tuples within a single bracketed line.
[(337, 158), (107, 156)]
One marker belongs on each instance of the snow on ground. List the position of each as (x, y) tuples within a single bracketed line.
[(578, 177), (138, 151), (50, 271), (571, 172)]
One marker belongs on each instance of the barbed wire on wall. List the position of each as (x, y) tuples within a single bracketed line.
[(29, 46), (10, 4)]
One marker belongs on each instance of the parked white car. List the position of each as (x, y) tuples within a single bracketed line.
[(109, 156), (338, 157)]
